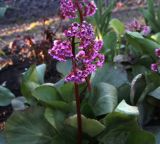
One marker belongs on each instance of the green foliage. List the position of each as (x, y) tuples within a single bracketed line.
[(123, 107), (56, 121), (117, 26), (146, 46), (111, 74), (152, 16), (103, 99), (64, 67), (6, 96), (32, 79), (3, 11), (2, 138), (29, 127), (123, 129), (91, 127), (102, 17)]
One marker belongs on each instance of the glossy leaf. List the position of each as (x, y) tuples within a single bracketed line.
[(64, 67), (111, 74), (103, 99), (123, 129), (29, 127), (123, 107), (49, 95), (91, 127), (55, 118), (118, 26), (6, 96), (18, 103), (2, 138)]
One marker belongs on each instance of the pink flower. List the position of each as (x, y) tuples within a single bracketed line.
[(90, 9), (154, 67), (136, 26), (157, 52), (86, 57), (61, 50), (69, 8)]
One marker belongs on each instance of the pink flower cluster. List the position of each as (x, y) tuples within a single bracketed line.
[(86, 58), (87, 62), (61, 50), (136, 26), (154, 66), (69, 8)]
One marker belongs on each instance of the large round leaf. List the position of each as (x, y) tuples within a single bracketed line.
[(55, 118), (111, 74), (29, 127), (138, 85), (146, 45), (6, 96), (154, 97), (103, 99), (91, 127), (49, 95), (118, 26), (123, 129), (123, 107), (64, 67)]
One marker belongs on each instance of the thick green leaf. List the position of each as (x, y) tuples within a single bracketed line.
[(29, 127), (137, 87), (154, 97), (124, 93), (111, 74), (123, 129), (91, 127), (155, 93), (146, 112), (156, 37), (2, 138), (64, 67), (3, 11), (55, 118), (146, 45), (49, 95), (103, 99), (41, 72), (67, 92), (6, 96), (27, 88), (156, 131), (110, 41), (123, 107), (32, 79), (118, 26), (18, 103)]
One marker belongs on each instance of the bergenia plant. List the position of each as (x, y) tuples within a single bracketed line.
[(136, 26), (81, 46), (155, 66)]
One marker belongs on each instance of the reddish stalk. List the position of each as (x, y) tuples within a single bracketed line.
[(88, 84), (79, 10), (79, 120), (78, 101)]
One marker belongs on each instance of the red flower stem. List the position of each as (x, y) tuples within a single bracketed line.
[(88, 84), (79, 120), (79, 10), (78, 101)]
